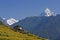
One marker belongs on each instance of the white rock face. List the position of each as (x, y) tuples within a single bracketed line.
[(12, 21), (49, 12)]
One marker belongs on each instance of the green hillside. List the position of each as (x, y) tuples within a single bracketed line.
[(7, 33)]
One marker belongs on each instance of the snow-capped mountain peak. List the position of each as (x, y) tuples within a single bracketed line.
[(12, 21), (48, 12)]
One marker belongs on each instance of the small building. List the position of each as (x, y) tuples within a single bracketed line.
[(17, 28), (20, 29)]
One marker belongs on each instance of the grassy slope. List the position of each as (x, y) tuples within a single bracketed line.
[(7, 34)]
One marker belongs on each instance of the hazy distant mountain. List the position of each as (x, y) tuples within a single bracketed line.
[(47, 25), (0, 19)]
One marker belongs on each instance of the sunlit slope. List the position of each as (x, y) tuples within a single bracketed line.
[(7, 33)]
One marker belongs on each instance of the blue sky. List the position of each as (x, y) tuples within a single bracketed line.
[(20, 9)]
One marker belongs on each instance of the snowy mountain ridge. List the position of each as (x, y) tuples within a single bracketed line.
[(12, 21)]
